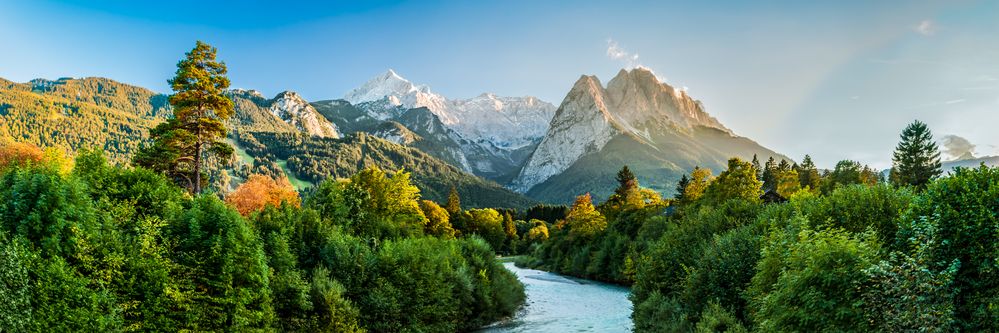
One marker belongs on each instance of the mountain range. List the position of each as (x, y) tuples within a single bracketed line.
[(514, 144)]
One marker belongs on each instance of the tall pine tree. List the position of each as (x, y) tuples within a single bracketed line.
[(200, 109), (916, 160)]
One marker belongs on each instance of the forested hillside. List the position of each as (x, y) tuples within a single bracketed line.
[(81, 113), (315, 159)]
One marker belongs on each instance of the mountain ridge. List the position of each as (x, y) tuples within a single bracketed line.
[(636, 120)]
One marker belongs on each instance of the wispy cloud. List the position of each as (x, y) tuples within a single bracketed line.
[(616, 52), (926, 28), (955, 101), (957, 147)]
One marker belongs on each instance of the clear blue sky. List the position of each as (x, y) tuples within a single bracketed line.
[(836, 80)]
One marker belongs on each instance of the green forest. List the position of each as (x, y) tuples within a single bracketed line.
[(786, 248), (91, 245)]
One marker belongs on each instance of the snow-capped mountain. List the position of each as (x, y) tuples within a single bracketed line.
[(294, 110), (495, 133), (658, 130), (388, 95)]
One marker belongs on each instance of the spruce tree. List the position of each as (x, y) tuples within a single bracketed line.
[(769, 175), (756, 166), (200, 109), (916, 160), (627, 182), (808, 174), (681, 186)]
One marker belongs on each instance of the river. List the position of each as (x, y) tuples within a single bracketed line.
[(559, 304)]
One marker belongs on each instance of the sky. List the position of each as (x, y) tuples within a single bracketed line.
[(836, 80)]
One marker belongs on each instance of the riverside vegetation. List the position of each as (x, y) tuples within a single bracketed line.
[(849, 251)]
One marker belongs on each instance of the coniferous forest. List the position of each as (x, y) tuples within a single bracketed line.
[(139, 235)]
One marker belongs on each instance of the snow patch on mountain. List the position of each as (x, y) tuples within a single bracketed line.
[(491, 129)]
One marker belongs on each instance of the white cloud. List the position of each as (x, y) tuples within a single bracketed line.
[(926, 28), (954, 101), (957, 147), (616, 52)]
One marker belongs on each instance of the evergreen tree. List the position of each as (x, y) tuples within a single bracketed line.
[(200, 109), (453, 202), (916, 160), (681, 186), (756, 166), (769, 175), (783, 166), (627, 182), (808, 174)]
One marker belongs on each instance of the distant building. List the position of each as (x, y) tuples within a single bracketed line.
[(771, 196)]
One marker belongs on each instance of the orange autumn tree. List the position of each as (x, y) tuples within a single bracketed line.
[(259, 191), (12, 153), (22, 153)]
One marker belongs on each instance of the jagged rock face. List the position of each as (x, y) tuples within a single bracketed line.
[(664, 120), (294, 110), (581, 125), (493, 131), (639, 100)]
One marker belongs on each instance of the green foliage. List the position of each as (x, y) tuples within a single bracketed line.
[(818, 287), (52, 213), (438, 220), (737, 182), (961, 209), (15, 286), (716, 319), (808, 174), (371, 204), (916, 160), (488, 224), (225, 259), (849, 173)]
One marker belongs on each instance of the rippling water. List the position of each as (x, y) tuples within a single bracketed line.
[(559, 304)]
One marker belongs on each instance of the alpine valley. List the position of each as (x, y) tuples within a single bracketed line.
[(515, 150)]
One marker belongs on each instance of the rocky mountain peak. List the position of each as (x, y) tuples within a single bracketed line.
[(635, 102), (290, 107)]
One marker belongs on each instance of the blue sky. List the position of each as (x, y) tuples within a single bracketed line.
[(836, 80)]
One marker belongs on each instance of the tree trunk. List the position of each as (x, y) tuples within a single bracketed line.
[(197, 164)]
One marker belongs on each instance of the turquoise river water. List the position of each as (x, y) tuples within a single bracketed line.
[(559, 304)]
